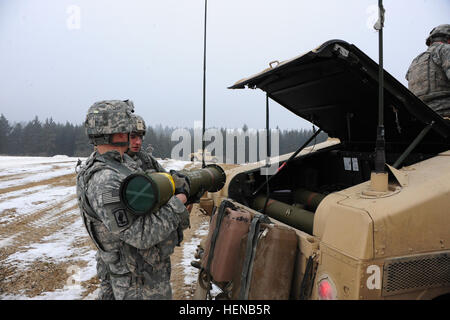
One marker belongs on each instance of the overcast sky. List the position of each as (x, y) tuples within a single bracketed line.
[(59, 56)]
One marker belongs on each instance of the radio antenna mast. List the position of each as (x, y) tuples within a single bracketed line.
[(204, 88), (380, 157), (379, 177)]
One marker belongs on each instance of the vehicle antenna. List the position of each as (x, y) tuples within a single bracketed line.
[(268, 151), (204, 88), (380, 157), (379, 177)]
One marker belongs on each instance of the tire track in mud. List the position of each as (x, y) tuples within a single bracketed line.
[(30, 189), (27, 231), (39, 275), (26, 218), (8, 177), (63, 180), (21, 230), (27, 228)]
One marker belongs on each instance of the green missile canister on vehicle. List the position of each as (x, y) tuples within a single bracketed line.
[(292, 216), (146, 193)]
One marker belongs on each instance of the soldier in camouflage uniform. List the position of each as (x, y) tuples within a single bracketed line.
[(429, 73), (148, 164), (135, 250), (144, 159)]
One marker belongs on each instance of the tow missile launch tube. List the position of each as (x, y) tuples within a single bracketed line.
[(295, 217), (143, 194), (310, 199), (211, 178)]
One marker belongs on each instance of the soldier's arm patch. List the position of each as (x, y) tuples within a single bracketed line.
[(121, 217), (111, 196)]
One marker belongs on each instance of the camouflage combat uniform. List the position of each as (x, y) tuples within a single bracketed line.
[(135, 249), (148, 164), (106, 291), (429, 77)]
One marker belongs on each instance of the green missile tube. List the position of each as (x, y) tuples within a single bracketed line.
[(145, 193), (295, 217), (309, 199), (211, 178)]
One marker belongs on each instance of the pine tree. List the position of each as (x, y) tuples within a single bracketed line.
[(83, 148), (32, 140), (49, 137), (15, 140), (5, 130)]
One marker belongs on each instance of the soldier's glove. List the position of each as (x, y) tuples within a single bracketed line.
[(180, 236), (181, 183)]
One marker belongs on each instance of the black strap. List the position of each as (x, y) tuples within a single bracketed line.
[(220, 214), (88, 224), (308, 279), (252, 241), (249, 255)]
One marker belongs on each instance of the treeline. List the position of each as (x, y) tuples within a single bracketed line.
[(48, 138)]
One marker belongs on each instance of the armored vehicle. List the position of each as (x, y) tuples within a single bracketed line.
[(353, 241)]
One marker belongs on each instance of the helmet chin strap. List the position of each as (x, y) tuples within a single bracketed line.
[(129, 140), (120, 144)]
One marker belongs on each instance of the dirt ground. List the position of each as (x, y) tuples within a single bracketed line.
[(181, 290), (43, 276)]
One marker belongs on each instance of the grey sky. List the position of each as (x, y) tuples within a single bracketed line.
[(152, 52)]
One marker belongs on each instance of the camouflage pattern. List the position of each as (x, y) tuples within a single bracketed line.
[(147, 162), (429, 77), (138, 124), (108, 117), (106, 290), (441, 31), (133, 252)]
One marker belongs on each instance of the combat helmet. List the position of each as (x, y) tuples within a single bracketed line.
[(104, 118), (138, 125), (441, 31)]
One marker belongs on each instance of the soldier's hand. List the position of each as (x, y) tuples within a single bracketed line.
[(182, 197), (181, 183)]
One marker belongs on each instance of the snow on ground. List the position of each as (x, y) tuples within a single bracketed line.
[(26, 201), (39, 221), (16, 171), (59, 247), (19, 162), (189, 249), (171, 164)]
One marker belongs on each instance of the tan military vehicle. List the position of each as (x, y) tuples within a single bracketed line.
[(354, 240)]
